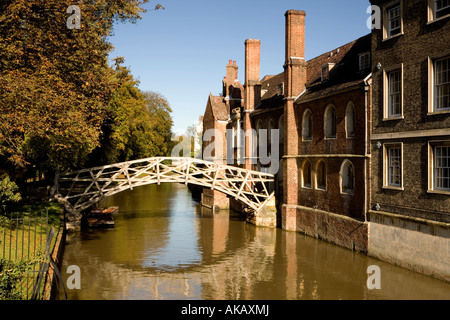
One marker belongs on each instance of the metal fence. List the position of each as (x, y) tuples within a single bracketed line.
[(28, 238)]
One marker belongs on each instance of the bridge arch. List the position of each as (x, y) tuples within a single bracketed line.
[(79, 190)]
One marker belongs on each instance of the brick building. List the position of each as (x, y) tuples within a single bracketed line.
[(410, 140), (364, 134)]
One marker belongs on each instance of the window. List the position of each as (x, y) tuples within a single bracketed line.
[(330, 122), (269, 134), (393, 166), (321, 176), (438, 9), (392, 19), (440, 166), (364, 61), (281, 128), (442, 84), (307, 124), (393, 95), (347, 177), (350, 121), (325, 73), (306, 174)]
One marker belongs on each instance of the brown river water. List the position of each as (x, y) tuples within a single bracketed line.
[(165, 246)]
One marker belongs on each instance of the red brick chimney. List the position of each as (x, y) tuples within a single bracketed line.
[(228, 80), (252, 74), (295, 80), (295, 64)]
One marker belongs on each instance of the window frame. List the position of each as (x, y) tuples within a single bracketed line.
[(387, 20), (361, 56), (347, 134), (321, 186), (431, 12), (305, 185), (325, 122), (308, 113), (386, 93), (345, 165), (431, 166), (386, 161), (431, 83)]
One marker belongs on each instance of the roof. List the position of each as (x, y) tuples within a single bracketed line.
[(345, 74), (219, 108)]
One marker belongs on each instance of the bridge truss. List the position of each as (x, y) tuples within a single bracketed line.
[(81, 189)]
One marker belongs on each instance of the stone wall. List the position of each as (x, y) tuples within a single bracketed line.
[(416, 244)]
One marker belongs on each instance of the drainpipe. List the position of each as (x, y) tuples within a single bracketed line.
[(366, 141)]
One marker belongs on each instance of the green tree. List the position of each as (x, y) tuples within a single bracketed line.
[(138, 124), (8, 193), (55, 82)]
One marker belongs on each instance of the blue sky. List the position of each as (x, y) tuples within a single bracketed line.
[(181, 52)]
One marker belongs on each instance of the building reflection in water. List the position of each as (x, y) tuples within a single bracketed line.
[(181, 250)]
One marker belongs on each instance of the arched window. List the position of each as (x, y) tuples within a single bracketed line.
[(330, 122), (347, 177), (281, 128), (350, 120), (306, 175), (259, 126), (307, 124), (321, 176), (269, 133)]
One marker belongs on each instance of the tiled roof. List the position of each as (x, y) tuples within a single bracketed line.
[(345, 74), (219, 108)]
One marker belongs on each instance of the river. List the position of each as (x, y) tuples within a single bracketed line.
[(166, 246)]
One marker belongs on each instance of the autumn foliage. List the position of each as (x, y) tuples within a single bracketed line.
[(62, 105)]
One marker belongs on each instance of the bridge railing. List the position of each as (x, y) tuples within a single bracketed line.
[(83, 188)]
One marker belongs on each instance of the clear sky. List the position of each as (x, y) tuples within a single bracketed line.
[(181, 52)]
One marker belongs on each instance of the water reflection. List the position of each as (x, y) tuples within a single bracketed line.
[(166, 246)]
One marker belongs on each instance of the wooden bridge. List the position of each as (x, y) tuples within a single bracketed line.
[(79, 190)]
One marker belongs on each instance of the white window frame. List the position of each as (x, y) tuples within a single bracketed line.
[(386, 93), (386, 176), (432, 10), (431, 166), (344, 165), (432, 84), (387, 20)]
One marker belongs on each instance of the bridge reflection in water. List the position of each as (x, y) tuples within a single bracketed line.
[(165, 246)]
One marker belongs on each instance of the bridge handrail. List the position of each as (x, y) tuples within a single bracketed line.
[(160, 159)]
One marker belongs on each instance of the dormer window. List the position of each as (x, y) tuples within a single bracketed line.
[(280, 89), (364, 61), (326, 71)]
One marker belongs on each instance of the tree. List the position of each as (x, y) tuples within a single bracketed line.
[(138, 124), (55, 82)]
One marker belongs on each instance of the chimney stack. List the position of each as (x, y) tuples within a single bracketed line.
[(252, 73), (295, 64), (232, 75), (295, 83)]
